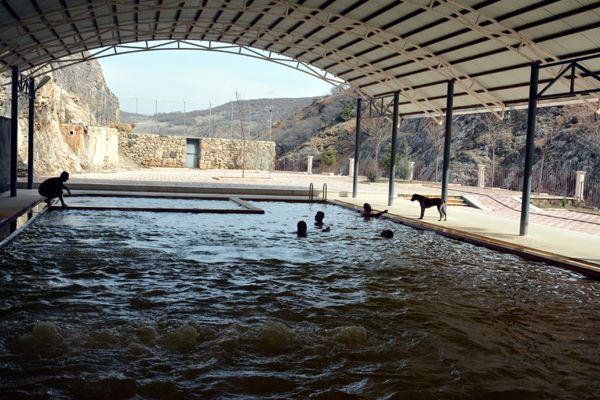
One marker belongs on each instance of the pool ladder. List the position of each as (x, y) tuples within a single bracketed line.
[(311, 192)]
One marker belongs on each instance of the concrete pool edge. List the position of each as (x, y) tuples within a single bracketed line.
[(588, 269)]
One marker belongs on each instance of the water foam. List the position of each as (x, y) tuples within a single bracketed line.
[(275, 336), (349, 336), (44, 339), (182, 338)]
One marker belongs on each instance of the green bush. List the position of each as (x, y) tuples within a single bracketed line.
[(346, 113), (328, 157)]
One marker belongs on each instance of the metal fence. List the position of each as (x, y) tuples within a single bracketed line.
[(291, 165), (548, 182), (591, 193)]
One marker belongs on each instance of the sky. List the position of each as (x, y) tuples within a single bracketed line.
[(163, 80)]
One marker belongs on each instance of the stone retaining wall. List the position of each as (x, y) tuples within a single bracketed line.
[(235, 154), (154, 150), (170, 151)]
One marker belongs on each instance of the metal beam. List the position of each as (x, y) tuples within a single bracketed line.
[(447, 140), (356, 149), (531, 114), (30, 136), (14, 126), (393, 155)]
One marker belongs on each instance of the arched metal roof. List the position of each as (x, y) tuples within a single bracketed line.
[(377, 46)]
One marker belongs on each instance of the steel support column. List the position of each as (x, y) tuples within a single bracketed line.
[(394, 146), (531, 114), (356, 149), (447, 139), (30, 136), (14, 126)]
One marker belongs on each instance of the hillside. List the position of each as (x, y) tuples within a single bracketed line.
[(567, 139), (74, 95), (221, 121)]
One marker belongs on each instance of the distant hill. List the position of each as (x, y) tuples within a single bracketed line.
[(223, 120)]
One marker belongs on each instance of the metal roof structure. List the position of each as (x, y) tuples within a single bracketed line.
[(378, 47)]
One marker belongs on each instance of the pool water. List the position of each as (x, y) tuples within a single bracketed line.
[(108, 304)]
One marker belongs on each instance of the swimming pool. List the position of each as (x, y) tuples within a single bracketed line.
[(109, 304)]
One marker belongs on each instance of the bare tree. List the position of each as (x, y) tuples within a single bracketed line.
[(436, 133), (243, 151), (544, 141), (378, 130), (495, 134)]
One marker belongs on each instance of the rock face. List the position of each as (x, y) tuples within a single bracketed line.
[(76, 95), (567, 139)]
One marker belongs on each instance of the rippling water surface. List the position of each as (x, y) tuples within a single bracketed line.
[(103, 305)]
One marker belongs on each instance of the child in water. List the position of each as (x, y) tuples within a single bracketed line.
[(368, 212), (301, 229), (319, 217)]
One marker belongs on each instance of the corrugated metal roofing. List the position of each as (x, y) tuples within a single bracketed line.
[(376, 46)]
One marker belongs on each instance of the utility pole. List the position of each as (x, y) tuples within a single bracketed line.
[(270, 120), (209, 118)]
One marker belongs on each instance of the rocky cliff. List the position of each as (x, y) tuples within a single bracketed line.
[(567, 139), (76, 95)]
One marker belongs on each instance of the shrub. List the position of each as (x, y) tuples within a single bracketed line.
[(328, 157)]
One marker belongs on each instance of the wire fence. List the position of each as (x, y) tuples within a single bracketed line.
[(591, 193)]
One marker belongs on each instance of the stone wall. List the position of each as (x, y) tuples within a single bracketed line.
[(154, 150), (97, 147), (151, 150), (235, 154), (4, 154)]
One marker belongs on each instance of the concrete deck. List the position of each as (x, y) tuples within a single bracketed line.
[(559, 236)]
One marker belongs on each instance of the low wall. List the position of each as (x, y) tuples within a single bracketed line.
[(154, 150), (4, 154), (236, 154), (170, 151)]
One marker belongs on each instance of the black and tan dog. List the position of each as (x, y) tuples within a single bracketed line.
[(426, 202)]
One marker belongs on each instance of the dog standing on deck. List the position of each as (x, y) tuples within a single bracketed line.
[(426, 202)]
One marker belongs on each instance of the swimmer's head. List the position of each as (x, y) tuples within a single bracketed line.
[(367, 207), (64, 176), (319, 216), (301, 228), (387, 233)]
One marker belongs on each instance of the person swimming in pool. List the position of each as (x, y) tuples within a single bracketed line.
[(301, 229), (319, 217), (368, 212), (52, 188), (387, 233)]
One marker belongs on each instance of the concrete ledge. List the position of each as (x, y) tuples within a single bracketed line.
[(188, 189)]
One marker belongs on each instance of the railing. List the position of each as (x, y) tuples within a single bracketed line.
[(591, 193), (291, 165)]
